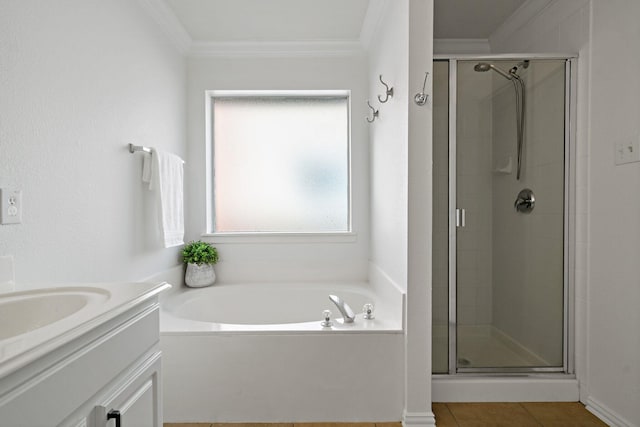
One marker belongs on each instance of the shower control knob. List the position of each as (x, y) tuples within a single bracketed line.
[(326, 315), (525, 202), (367, 311)]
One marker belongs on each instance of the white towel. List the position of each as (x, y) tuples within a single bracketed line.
[(164, 174)]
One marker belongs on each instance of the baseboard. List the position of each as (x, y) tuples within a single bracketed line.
[(605, 414), (418, 419), (451, 388)]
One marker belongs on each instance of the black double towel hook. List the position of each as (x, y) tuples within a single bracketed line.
[(388, 92)]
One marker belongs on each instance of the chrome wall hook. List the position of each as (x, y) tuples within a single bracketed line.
[(421, 97), (374, 113), (388, 92)]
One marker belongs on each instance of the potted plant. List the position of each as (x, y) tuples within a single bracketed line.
[(200, 258)]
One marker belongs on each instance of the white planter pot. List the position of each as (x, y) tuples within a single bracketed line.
[(199, 276)]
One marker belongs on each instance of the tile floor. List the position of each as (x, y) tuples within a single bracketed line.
[(553, 414), (546, 414)]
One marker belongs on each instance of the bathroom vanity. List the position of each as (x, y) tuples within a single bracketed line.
[(83, 356)]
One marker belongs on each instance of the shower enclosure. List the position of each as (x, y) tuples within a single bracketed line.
[(501, 227)]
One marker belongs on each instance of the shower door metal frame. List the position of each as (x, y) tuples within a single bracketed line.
[(571, 102), (453, 226), (568, 344)]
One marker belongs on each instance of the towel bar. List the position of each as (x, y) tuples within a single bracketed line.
[(135, 148)]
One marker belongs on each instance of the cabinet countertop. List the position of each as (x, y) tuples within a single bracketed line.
[(94, 304)]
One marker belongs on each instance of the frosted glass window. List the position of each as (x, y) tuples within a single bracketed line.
[(281, 164)]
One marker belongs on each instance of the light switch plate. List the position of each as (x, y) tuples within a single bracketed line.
[(10, 206), (628, 151)]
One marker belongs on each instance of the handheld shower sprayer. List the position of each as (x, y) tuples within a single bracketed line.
[(519, 87)]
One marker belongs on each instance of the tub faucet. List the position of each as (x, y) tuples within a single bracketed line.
[(347, 313)]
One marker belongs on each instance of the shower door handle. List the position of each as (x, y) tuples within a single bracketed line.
[(461, 217)]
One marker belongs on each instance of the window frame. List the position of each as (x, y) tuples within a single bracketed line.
[(261, 236)]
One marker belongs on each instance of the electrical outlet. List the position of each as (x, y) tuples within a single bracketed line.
[(10, 206), (628, 151)]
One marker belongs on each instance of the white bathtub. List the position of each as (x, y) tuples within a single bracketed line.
[(275, 307), (257, 353)]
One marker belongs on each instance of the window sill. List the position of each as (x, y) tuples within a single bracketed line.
[(346, 237)]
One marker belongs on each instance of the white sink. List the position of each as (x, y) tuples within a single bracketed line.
[(22, 312)]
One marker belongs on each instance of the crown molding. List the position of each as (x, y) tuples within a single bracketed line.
[(275, 49), (548, 13), (461, 46), (520, 18), (180, 38), (169, 23), (372, 21)]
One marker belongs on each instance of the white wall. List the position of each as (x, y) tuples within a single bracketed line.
[(79, 80), (613, 296), (274, 261), (401, 184), (419, 226), (388, 56), (607, 227)]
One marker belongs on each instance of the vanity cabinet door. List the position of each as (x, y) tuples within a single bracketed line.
[(116, 366), (137, 400)]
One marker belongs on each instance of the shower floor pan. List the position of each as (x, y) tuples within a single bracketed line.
[(485, 346)]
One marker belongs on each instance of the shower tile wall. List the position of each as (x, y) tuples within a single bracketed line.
[(528, 249), (474, 175)]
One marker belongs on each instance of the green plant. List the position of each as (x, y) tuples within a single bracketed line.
[(199, 253)]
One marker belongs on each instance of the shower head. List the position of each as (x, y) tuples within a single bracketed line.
[(482, 67), (485, 66)]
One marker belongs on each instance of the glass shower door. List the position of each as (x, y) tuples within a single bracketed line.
[(440, 259), (509, 215)]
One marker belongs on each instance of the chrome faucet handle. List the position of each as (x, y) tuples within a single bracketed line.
[(367, 310), (326, 323)]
